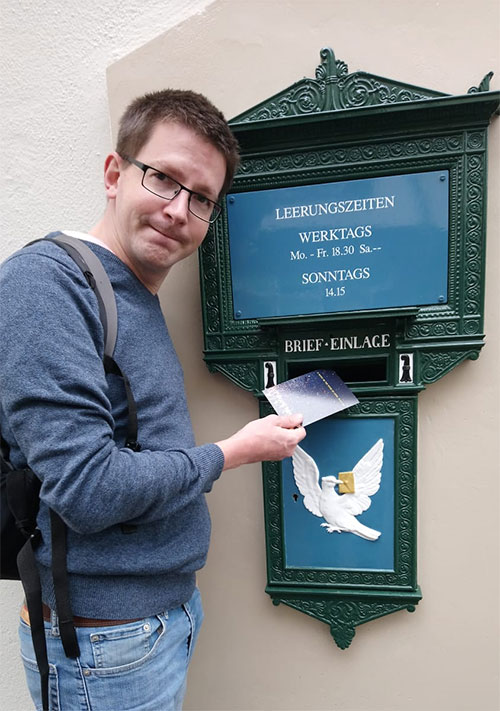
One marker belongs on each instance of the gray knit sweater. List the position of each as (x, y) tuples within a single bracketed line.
[(66, 419)]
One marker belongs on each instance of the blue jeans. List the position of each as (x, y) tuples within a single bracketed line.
[(139, 666)]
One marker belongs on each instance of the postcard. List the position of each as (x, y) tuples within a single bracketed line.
[(316, 395)]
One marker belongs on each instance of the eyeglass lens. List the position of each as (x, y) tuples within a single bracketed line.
[(166, 187)]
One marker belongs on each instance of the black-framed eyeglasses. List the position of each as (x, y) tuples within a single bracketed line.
[(164, 186)]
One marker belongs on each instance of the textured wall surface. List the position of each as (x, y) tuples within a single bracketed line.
[(54, 113), (55, 131), (54, 134)]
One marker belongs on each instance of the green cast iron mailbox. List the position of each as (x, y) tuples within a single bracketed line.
[(353, 240)]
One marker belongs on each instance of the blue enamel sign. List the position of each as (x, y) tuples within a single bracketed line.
[(346, 246)]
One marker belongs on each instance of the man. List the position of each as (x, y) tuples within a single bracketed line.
[(137, 610)]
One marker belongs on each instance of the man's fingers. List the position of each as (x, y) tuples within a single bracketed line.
[(299, 433), (290, 421)]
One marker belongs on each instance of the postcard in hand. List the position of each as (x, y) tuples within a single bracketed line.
[(315, 395)]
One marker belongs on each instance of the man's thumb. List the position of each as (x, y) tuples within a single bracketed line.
[(291, 421)]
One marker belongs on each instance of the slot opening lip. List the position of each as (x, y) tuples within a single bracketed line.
[(367, 370)]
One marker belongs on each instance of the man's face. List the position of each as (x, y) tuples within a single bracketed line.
[(151, 234)]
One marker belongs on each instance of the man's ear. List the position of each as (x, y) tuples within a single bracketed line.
[(112, 171)]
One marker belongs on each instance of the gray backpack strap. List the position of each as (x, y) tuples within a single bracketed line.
[(99, 281), (92, 268)]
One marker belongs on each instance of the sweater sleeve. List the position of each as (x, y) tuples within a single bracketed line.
[(57, 413)]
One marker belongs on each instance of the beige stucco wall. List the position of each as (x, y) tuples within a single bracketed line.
[(252, 655)]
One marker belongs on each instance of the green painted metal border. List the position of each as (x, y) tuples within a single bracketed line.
[(342, 126), (403, 410), (337, 127), (439, 326), (345, 599)]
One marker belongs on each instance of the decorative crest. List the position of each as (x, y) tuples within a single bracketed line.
[(334, 89), (483, 86)]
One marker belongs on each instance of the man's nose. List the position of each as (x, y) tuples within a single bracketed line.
[(178, 206)]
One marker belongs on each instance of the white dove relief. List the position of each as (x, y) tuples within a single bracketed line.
[(340, 510)]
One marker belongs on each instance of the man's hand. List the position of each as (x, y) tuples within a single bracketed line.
[(271, 438)]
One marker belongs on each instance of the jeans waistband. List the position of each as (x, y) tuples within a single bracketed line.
[(77, 621)]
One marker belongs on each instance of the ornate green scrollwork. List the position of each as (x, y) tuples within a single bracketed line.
[(334, 89), (332, 128), (344, 615)]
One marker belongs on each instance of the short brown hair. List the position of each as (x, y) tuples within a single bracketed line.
[(178, 106)]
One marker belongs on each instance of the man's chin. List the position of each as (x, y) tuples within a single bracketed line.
[(161, 256)]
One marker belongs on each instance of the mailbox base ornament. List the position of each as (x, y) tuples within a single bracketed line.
[(344, 615)]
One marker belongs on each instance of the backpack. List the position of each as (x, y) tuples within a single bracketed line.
[(19, 488)]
